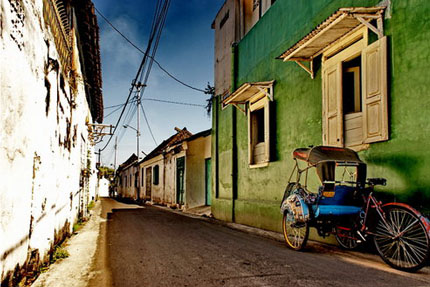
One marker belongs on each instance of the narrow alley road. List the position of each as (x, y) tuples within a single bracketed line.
[(154, 247)]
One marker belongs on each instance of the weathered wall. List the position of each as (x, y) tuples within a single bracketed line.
[(224, 38), (198, 150), (297, 110), (127, 189), (44, 146), (157, 190)]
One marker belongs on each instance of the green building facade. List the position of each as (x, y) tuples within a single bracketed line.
[(250, 194)]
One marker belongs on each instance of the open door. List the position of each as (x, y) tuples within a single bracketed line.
[(148, 183), (180, 174)]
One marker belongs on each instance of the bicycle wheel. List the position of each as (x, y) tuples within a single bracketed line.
[(346, 238), (402, 240), (295, 234)]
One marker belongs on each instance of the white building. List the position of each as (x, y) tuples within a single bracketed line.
[(177, 172), (50, 80)]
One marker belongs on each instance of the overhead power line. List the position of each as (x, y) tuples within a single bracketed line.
[(114, 106), (149, 127), (157, 26), (173, 102), (141, 51), (114, 111)]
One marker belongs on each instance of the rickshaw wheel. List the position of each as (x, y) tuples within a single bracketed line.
[(345, 238), (402, 242), (295, 234)]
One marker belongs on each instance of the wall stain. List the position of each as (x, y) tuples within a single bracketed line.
[(27, 273), (17, 21), (48, 95)]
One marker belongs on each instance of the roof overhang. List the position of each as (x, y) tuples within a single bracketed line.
[(249, 92), (339, 24)]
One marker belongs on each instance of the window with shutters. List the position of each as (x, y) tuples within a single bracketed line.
[(354, 75), (254, 100), (259, 132)]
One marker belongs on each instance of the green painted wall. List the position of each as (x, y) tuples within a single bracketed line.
[(404, 160)]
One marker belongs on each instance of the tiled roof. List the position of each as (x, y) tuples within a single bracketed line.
[(179, 137)]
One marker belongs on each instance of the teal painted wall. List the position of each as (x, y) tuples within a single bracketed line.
[(404, 160)]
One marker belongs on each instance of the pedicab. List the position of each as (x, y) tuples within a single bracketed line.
[(345, 206)]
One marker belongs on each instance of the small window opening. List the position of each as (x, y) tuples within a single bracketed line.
[(259, 120), (155, 176), (351, 86)]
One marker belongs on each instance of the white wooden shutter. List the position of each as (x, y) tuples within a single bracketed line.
[(267, 130), (374, 96), (332, 105), (250, 139)]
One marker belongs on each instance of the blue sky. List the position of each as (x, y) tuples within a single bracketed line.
[(186, 50)]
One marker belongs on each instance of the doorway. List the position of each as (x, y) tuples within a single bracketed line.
[(180, 174), (208, 181), (148, 183)]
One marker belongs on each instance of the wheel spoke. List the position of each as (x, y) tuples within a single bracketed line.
[(295, 234), (401, 239)]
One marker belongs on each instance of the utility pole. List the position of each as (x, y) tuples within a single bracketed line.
[(138, 125), (99, 154), (138, 86), (116, 148)]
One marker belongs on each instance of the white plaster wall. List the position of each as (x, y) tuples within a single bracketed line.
[(127, 188), (40, 178), (198, 150), (157, 191), (103, 187)]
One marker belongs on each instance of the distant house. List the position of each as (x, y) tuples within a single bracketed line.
[(340, 73), (50, 95), (175, 173), (158, 172), (126, 179)]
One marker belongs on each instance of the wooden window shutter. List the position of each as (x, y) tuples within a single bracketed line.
[(267, 130), (332, 105), (250, 139), (374, 97)]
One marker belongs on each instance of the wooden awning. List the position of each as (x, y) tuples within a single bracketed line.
[(332, 29), (249, 91)]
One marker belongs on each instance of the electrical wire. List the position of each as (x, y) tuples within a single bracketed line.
[(114, 111), (157, 26), (156, 22), (149, 127), (173, 102), (114, 106), (141, 51)]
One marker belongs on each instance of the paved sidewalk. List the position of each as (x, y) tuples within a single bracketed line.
[(74, 270)]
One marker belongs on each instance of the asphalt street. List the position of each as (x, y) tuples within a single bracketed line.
[(155, 247)]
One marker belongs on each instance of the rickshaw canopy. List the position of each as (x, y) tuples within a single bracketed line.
[(319, 154), (325, 159)]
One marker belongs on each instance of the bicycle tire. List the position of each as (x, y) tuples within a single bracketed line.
[(402, 240), (346, 238), (295, 234)]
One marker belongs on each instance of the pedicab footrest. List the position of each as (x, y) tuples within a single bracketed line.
[(336, 210)]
